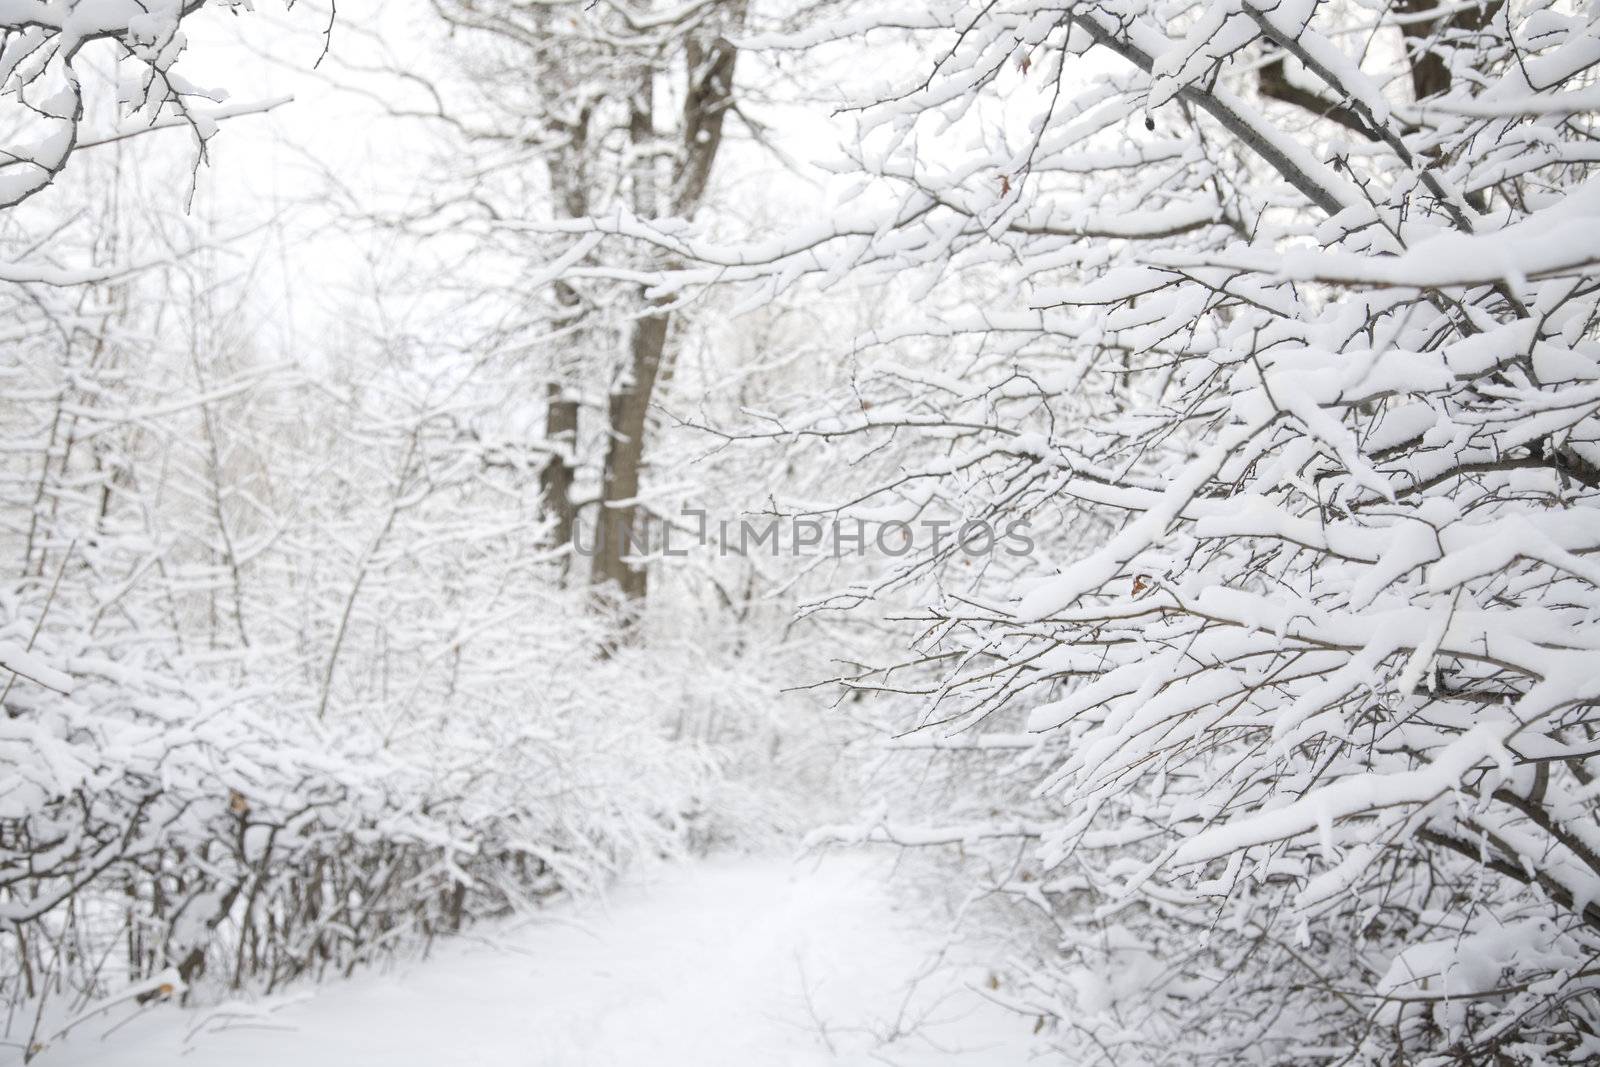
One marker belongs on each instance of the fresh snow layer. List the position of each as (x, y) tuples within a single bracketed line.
[(746, 963)]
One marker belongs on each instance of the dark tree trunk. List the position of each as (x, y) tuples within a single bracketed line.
[(707, 98), (555, 481), (1429, 75), (569, 181)]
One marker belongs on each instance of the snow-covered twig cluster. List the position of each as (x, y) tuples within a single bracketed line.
[(52, 107)]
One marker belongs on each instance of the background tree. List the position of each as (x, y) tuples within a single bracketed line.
[(614, 109)]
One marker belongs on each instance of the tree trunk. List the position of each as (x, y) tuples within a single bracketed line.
[(1429, 75), (706, 101), (569, 182), (629, 411), (555, 481)]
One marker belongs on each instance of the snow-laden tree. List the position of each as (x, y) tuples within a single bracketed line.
[(1277, 322), (553, 112)]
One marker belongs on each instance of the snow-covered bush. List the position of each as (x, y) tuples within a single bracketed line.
[(1278, 324)]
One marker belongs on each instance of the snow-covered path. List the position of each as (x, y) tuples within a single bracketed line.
[(746, 963)]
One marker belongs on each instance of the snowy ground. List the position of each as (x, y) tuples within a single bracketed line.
[(753, 963)]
